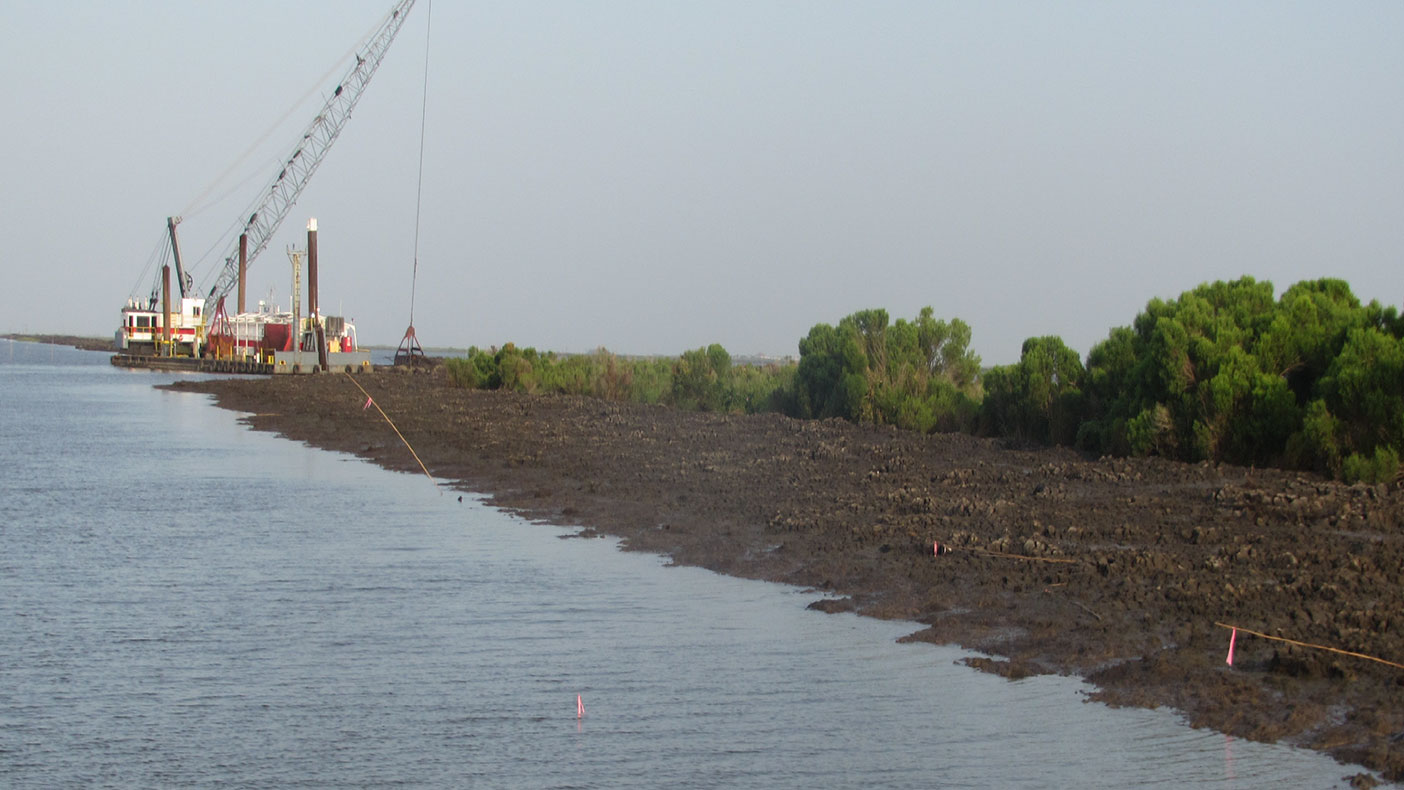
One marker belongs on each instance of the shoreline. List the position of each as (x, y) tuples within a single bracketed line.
[(1114, 570), (79, 342)]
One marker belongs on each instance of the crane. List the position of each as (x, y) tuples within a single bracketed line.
[(272, 205)]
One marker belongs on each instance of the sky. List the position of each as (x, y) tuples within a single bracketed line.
[(656, 176)]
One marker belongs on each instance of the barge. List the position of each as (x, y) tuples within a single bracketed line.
[(188, 329)]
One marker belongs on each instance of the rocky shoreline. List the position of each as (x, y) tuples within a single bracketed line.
[(1116, 570)]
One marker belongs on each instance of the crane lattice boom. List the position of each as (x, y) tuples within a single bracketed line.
[(277, 199)]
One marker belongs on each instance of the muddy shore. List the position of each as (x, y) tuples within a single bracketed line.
[(1123, 567), (76, 341)]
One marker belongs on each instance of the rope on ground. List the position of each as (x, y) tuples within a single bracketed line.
[(1085, 608), (1308, 644), (371, 402), (1018, 556)]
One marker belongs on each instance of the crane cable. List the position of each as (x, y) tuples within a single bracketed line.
[(419, 189), (155, 261), (198, 204)]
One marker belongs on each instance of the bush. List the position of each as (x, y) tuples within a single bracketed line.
[(463, 373), (1224, 373), (919, 375), (1038, 397), (1382, 467), (700, 379)]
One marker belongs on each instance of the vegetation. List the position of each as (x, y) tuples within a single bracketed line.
[(1311, 380), (704, 379), (1037, 398), (919, 375)]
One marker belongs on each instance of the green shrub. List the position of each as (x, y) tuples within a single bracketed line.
[(1224, 372), (1382, 467)]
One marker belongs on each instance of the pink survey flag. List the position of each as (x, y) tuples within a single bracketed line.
[(368, 403), (1233, 637), (579, 707)]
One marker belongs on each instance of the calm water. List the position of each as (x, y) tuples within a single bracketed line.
[(187, 603)]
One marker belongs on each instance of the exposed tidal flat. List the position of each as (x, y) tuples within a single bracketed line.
[(275, 615), (1125, 567)]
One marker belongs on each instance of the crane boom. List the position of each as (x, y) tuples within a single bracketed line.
[(273, 204), (171, 223)]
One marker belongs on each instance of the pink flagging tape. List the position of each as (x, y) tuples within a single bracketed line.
[(1233, 637), (579, 707), (1237, 628)]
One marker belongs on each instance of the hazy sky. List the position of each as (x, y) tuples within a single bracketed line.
[(655, 176)]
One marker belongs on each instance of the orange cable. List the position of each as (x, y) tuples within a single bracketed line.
[(1309, 644), (373, 402), (1016, 556)]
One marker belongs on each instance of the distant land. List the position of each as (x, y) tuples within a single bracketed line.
[(79, 342)]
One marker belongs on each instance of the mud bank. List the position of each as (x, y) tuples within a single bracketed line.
[(1125, 565), (76, 341)]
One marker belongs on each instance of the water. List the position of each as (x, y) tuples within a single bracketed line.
[(187, 603)]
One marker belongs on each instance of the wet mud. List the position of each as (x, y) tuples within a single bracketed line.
[(1116, 570)]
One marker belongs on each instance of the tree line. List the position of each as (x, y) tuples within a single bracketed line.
[(1226, 372), (702, 379)]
